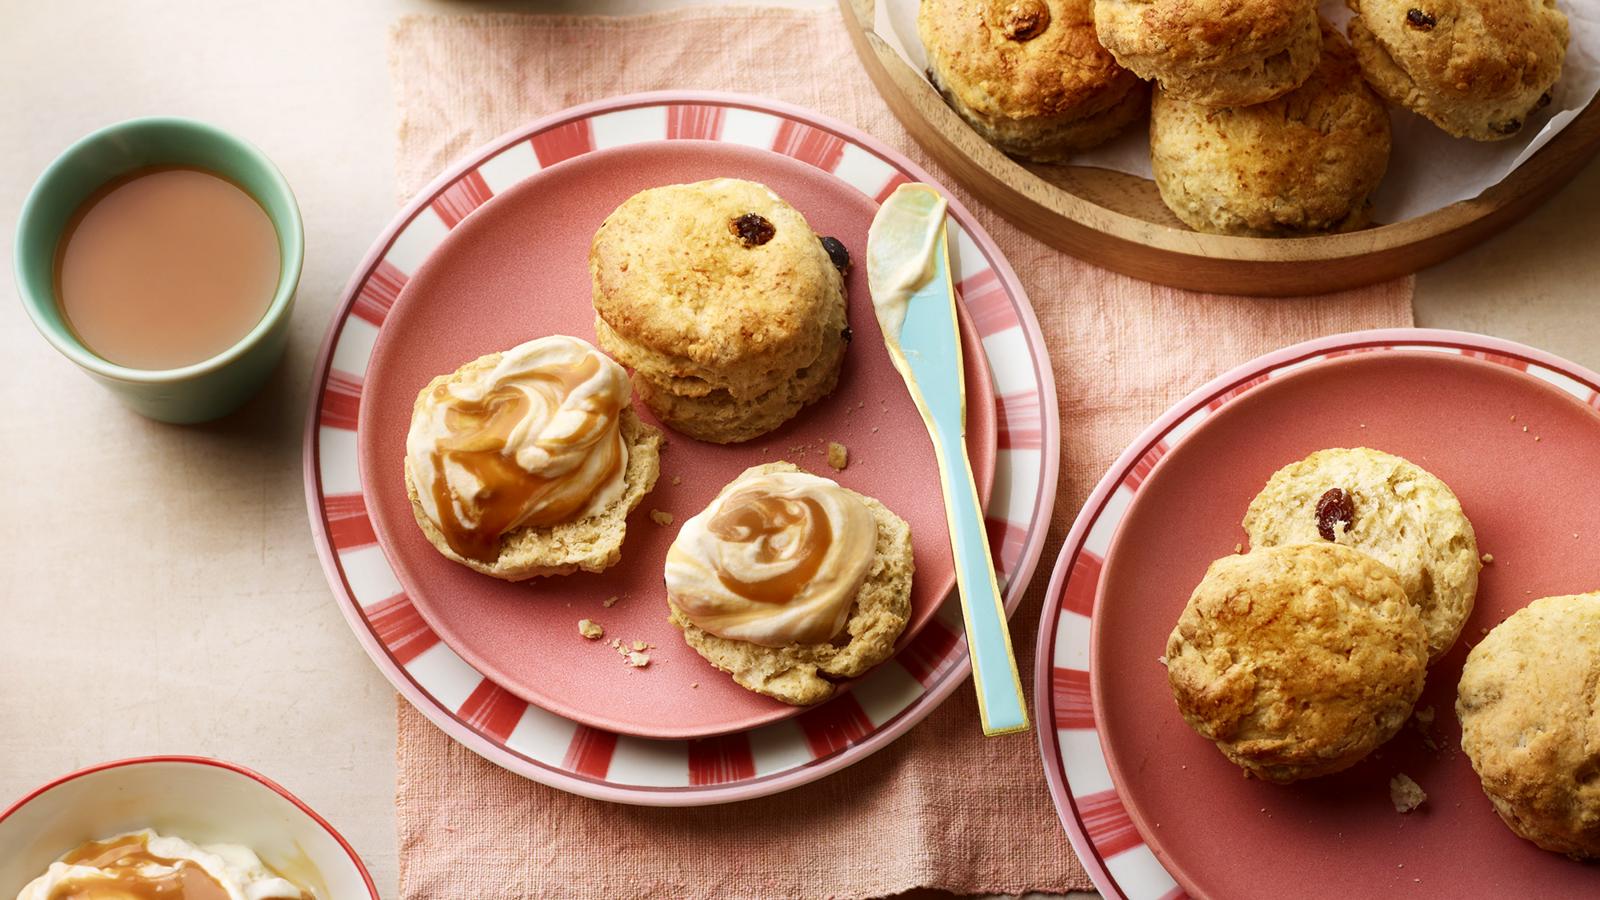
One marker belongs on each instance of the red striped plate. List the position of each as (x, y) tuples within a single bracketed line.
[(557, 751), (1092, 807)]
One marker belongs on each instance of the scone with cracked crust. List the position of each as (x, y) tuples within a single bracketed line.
[(1030, 76), (802, 673), (1303, 163), (718, 292), (1297, 661), (1529, 704), (1214, 52), (1476, 68), (1392, 509)]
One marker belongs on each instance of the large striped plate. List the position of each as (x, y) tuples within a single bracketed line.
[(1103, 834), (556, 751)]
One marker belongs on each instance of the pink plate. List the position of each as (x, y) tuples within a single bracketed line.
[(1173, 811), (517, 269), (489, 719)]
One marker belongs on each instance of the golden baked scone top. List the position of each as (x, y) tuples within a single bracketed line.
[(715, 277), (1302, 163), (1200, 31), (1393, 510), (1471, 48), (1021, 58), (1475, 68), (1297, 660), (1529, 704)]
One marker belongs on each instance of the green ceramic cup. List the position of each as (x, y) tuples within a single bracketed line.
[(204, 390)]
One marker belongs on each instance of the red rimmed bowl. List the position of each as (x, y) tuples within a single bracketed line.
[(199, 799)]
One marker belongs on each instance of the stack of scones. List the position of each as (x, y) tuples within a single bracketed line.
[(1265, 120)]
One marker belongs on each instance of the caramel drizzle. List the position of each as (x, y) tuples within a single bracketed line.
[(511, 496), (755, 517), (121, 859)]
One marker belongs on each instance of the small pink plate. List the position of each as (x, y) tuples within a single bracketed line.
[(516, 269), (1515, 434)]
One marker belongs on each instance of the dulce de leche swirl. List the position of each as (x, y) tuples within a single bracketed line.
[(776, 559), (532, 441)]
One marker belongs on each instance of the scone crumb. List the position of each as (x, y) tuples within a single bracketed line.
[(1238, 548), (695, 685), (660, 517), (1162, 660), (676, 480), (1488, 559), (838, 455), (637, 660), (610, 601), (640, 645), (1405, 794), (591, 629), (1425, 715)]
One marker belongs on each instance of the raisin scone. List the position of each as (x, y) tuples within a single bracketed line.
[(1389, 508)]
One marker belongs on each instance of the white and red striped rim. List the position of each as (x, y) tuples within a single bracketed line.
[(264, 781), (1111, 848), (559, 752)]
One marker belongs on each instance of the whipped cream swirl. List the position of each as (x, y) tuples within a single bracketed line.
[(776, 559), (533, 441)]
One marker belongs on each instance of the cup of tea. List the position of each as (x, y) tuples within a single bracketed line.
[(161, 256)]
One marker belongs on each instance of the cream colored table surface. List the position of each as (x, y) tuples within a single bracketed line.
[(159, 592)]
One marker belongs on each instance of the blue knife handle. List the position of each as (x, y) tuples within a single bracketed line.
[(930, 358)]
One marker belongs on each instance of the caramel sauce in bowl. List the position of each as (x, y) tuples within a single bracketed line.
[(123, 859)]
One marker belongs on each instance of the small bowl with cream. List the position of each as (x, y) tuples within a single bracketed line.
[(173, 828), (161, 255)]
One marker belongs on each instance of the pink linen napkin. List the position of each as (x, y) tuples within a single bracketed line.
[(943, 807)]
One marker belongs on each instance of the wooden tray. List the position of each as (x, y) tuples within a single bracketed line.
[(1118, 221)]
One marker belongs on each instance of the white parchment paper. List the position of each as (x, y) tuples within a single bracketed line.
[(1428, 170)]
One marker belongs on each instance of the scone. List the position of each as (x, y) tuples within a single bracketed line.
[(527, 462), (1388, 508), (1297, 661), (788, 581), (1529, 704), (1476, 68), (1029, 75), (727, 306), (1301, 164), (1214, 52)]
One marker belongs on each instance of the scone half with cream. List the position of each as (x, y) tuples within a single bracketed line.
[(788, 581), (527, 462)]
